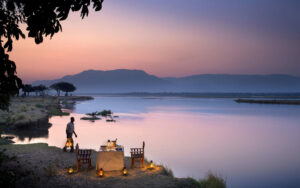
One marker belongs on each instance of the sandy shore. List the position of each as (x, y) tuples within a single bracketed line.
[(38, 165)]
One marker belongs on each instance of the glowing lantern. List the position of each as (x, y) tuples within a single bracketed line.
[(101, 173), (125, 172), (69, 143), (70, 170), (151, 165), (109, 145)]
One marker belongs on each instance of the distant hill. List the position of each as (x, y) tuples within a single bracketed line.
[(120, 80), (123, 80)]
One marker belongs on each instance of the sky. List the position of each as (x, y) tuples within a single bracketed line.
[(170, 38)]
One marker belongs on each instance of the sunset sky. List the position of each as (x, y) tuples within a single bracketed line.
[(171, 38)]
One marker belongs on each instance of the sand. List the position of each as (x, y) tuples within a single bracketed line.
[(44, 166)]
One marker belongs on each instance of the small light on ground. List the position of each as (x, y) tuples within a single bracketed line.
[(125, 171), (101, 173), (70, 170), (151, 165)]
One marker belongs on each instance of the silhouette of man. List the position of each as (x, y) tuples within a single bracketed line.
[(70, 130)]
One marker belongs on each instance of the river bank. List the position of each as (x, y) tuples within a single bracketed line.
[(34, 112), (269, 101), (38, 165)]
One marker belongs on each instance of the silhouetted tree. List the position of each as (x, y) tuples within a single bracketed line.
[(42, 18), (67, 87), (56, 88), (27, 89), (39, 89), (63, 86)]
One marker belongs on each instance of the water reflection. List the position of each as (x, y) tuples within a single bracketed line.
[(249, 145), (29, 135)]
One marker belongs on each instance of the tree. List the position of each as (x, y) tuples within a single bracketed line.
[(42, 18), (39, 89), (67, 87), (27, 89), (63, 86), (56, 88)]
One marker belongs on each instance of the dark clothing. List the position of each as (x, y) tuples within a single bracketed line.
[(69, 132), (69, 135), (70, 127)]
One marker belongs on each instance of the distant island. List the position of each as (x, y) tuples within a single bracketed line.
[(264, 101), (127, 81)]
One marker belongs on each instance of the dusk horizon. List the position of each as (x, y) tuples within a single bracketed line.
[(171, 76), (170, 39)]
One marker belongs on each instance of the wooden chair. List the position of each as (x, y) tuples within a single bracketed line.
[(137, 154), (83, 156)]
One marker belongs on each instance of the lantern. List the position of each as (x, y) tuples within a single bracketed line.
[(69, 143), (124, 171), (70, 170), (101, 173), (151, 165)]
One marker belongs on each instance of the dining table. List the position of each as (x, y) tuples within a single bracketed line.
[(110, 160)]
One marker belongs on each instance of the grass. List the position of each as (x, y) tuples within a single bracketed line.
[(23, 108), (55, 111), (4, 141), (90, 118), (27, 110), (3, 117), (8, 177), (20, 117), (39, 105), (167, 171), (104, 113), (50, 170), (212, 181)]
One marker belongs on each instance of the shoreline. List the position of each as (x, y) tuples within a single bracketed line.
[(37, 165), (200, 95), (277, 101), (34, 111)]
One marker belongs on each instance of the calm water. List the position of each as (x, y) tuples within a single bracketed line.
[(250, 145)]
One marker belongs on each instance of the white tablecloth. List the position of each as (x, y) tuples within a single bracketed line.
[(110, 160)]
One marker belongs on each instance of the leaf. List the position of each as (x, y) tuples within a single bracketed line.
[(84, 11)]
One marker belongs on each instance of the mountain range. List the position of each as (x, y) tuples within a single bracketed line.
[(124, 80)]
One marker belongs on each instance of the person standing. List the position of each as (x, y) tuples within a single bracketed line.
[(70, 130)]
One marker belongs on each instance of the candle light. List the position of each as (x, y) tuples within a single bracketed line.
[(125, 172), (101, 173), (70, 170), (151, 165)]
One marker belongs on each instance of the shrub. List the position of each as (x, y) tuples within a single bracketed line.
[(23, 108), (167, 171), (212, 181), (39, 105), (50, 170), (20, 117), (55, 111), (8, 177), (105, 113), (90, 118)]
